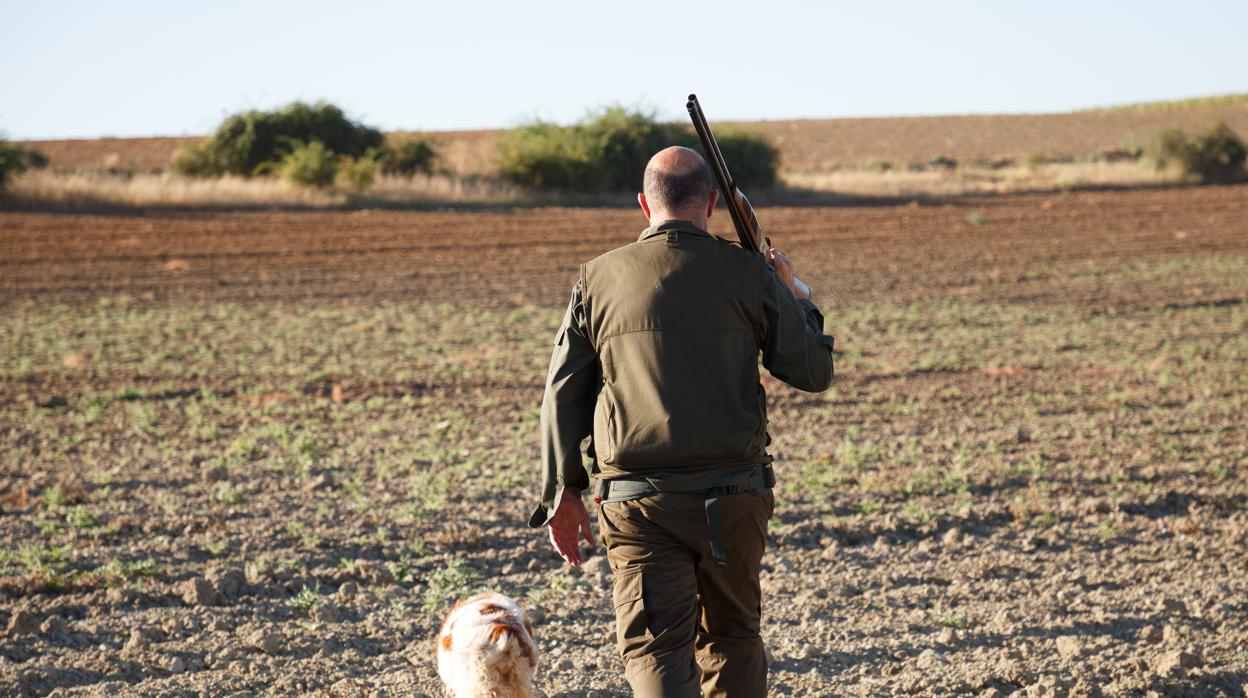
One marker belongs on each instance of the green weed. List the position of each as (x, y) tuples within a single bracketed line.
[(306, 599), (449, 583), (950, 620)]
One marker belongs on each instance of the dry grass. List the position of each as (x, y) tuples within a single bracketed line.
[(969, 180), (86, 191), (90, 190)]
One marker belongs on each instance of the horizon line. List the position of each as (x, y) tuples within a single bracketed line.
[(1148, 105)]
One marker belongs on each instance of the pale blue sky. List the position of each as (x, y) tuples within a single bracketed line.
[(128, 68)]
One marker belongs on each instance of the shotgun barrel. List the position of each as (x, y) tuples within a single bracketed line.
[(743, 218)]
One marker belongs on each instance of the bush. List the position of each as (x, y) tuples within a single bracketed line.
[(608, 151), (619, 143), (1170, 146), (35, 160), (245, 142), (751, 159), (311, 164), (360, 172), (543, 155), (408, 157), (1218, 155), (16, 159), (200, 159)]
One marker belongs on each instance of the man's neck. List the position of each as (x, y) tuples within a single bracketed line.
[(659, 217)]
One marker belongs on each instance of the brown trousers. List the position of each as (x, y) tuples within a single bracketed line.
[(685, 627)]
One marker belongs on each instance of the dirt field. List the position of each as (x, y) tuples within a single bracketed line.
[(250, 453)]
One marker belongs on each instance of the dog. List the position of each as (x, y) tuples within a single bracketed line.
[(486, 649)]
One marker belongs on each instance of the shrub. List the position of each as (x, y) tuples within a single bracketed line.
[(408, 157), (16, 159), (360, 172), (200, 159), (544, 155), (35, 160), (1218, 155), (245, 142), (752, 160), (608, 151), (619, 143), (311, 164), (1169, 146)]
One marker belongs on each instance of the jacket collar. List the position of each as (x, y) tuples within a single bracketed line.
[(671, 226)]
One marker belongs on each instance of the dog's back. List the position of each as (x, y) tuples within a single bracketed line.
[(486, 649)]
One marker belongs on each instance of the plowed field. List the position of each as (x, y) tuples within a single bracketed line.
[(262, 452)]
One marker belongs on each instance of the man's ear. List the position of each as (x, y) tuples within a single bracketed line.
[(645, 205), (710, 207)]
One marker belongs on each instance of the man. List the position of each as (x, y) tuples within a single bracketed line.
[(657, 362)]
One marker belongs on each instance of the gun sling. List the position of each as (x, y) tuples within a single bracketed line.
[(708, 488)]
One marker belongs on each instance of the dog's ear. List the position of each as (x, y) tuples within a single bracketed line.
[(490, 609)]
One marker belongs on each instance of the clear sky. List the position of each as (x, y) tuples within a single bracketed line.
[(174, 67)]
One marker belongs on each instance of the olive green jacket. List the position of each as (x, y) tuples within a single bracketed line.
[(657, 361)]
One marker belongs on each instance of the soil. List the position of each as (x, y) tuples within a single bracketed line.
[(259, 453)]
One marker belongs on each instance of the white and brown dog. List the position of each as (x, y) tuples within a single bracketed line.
[(486, 649)]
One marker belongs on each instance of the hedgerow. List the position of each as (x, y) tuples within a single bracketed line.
[(608, 151), (253, 142), (1217, 155)]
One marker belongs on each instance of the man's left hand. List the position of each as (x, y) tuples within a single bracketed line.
[(784, 268), (569, 523)]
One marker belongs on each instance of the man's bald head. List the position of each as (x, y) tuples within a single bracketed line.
[(677, 181)]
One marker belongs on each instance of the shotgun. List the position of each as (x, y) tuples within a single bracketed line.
[(743, 219)]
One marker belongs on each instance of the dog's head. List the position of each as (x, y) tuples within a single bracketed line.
[(486, 648)]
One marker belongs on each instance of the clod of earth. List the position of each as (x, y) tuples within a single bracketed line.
[(951, 538), (22, 623), (199, 592), (1172, 663), (265, 641), (347, 590), (53, 626), (140, 640), (1069, 647), (228, 581), (371, 572), (215, 473), (326, 612)]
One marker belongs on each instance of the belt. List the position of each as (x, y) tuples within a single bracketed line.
[(708, 488)]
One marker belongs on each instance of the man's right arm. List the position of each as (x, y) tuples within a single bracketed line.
[(795, 349), (567, 411)]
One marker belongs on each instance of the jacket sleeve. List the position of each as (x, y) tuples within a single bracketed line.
[(795, 349), (567, 410)]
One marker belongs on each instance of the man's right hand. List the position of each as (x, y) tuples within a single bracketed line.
[(569, 523), (784, 268)]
